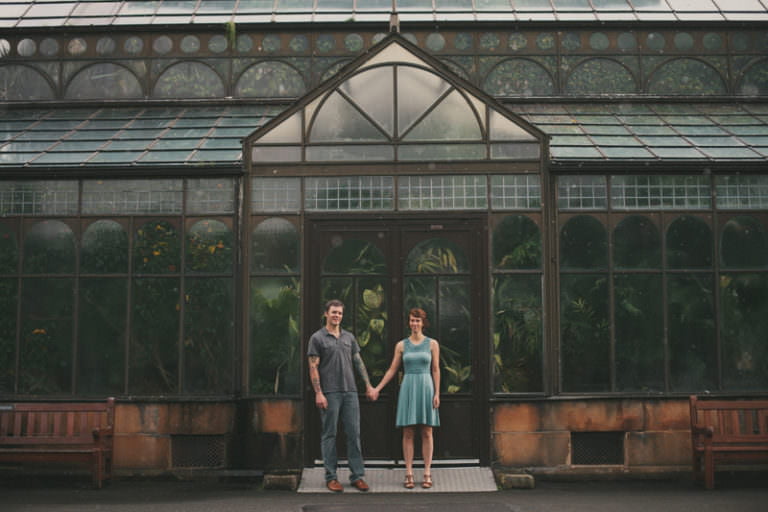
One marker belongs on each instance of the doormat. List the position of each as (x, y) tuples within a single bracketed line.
[(462, 479)]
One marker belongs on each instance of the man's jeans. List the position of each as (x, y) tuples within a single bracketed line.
[(347, 407)]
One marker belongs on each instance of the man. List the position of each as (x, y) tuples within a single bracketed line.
[(333, 352)]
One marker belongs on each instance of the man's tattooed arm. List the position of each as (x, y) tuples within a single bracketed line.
[(360, 365)]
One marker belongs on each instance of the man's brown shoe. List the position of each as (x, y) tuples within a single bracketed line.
[(335, 486), (360, 485)]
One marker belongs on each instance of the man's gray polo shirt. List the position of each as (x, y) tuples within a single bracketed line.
[(335, 368)]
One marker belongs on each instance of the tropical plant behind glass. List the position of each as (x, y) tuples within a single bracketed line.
[(275, 360)]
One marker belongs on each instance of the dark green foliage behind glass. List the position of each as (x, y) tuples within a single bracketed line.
[(102, 335), (584, 333), (208, 344), (8, 302), (46, 336), (154, 357)]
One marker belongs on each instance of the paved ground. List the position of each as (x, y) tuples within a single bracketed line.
[(735, 493)]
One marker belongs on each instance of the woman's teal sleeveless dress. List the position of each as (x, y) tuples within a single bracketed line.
[(414, 405)]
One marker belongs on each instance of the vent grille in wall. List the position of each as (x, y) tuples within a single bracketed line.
[(198, 451), (597, 448)]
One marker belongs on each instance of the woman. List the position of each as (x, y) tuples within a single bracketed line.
[(417, 405)]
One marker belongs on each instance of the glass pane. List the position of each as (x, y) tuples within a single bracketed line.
[(454, 333), (442, 192), (600, 77), (354, 257), (9, 250), (275, 247), (503, 128), (132, 196), (517, 243), (689, 243), (275, 194), (270, 80), (417, 90), (513, 192), (519, 77), (105, 81), (350, 153), (693, 356), (452, 118), (105, 248), (371, 325), (636, 243), (372, 91), (744, 304), (45, 358), (49, 248), (638, 303), (210, 196), (742, 191), (275, 358), (276, 154), (428, 152), (349, 193), (21, 83), (339, 121), (672, 192), (581, 192), (289, 131), (189, 80), (209, 247), (102, 335), (436, 256), (686, 76), (154, 353), (8, 303), (584, 333), (157, 249), (744, 243), (517, 334), (583, 244), (209, 333)]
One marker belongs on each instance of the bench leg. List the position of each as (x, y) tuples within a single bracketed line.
[(709, 470)]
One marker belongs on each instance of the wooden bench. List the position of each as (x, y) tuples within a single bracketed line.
[(79, 433), (730, 431)]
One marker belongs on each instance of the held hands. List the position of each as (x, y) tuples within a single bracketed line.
[(372, 393)]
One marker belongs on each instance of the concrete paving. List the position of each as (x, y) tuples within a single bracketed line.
[(736, 493)]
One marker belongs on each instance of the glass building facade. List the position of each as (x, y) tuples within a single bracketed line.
[(182, 184)]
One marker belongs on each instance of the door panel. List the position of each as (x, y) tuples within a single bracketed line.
[(380, 269)]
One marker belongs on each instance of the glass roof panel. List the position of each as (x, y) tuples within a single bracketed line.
[(503, 128), (339, 121), (671, 141), (676, 152), (729, 153), (622, 153), (572, 5), (587, 153), (96, 8)]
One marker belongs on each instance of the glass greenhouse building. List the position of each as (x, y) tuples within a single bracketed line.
[(576, 191)]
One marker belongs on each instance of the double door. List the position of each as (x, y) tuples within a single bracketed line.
[(380, 269)]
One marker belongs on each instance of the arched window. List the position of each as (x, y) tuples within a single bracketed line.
[(105, 81), (270, 80), (189, 80)]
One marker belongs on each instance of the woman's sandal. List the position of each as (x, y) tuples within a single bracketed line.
[(408, 484), (427, 483)]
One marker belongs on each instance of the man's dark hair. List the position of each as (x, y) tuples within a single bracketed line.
[(333, 302)]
